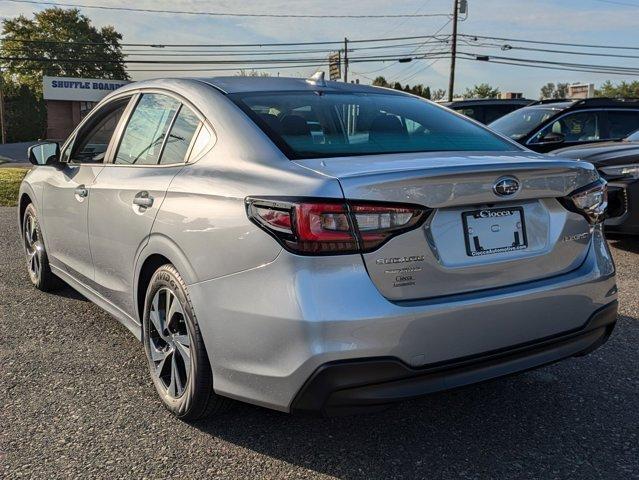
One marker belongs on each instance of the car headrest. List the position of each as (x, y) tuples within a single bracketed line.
[(294, 125), (385, 126)]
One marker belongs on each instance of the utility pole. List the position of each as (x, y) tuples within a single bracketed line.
[(453, 51), (345, 59)]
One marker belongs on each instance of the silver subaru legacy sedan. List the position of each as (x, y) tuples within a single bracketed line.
[(318, 247)]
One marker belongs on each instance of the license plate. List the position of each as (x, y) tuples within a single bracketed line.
[(494, 230)]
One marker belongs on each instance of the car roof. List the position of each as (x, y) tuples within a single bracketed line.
[(240, 84), (487, 101)]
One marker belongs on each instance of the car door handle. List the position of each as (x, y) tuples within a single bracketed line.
[(82, 191), (143, 199)]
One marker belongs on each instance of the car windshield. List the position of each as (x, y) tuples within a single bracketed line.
[(315, 125), (521, 122), (633, 137)]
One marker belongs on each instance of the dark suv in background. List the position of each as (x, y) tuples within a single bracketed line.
[(618, 163), (487, 110), (547, 125)]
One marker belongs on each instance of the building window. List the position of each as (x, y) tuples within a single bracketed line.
[(85, 107)]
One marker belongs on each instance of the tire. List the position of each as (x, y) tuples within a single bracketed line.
[(175, 351), (36, 255)]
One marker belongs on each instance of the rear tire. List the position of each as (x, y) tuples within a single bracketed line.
[(36, 255), (175, 351)]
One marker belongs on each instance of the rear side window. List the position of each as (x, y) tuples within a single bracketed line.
[(314, 125), (622, 123), (143, 138), (180, 138)]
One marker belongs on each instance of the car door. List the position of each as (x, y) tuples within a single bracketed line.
[(128, 193), (573, 128), (67, 194)]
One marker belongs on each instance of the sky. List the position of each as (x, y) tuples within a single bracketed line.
[(605, 22)]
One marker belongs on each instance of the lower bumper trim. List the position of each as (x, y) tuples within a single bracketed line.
[(350, 386)]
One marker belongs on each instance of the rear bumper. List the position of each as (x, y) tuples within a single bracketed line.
[(624, 208), (351, 386), (267, 330)]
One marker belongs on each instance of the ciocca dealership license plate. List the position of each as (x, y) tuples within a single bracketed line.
[(494, 230)]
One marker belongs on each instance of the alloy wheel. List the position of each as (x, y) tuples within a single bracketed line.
[(31, 244), (169, 342)]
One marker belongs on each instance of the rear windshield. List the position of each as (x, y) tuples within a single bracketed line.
[(315, 125), (521, 122)]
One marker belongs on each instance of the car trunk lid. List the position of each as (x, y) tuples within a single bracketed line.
[(473, 239)]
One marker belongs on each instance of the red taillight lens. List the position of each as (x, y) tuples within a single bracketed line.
[(331, 227)]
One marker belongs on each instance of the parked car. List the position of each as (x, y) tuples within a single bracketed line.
[(402, 251), (487, 110), (618, 163), (552, 124)]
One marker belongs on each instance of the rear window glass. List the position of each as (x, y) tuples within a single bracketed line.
[(312, 125)]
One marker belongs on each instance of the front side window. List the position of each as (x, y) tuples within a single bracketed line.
[(574, 127), (92, 141), (315, 125), (143, 138)]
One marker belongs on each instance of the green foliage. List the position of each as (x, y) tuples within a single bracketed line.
[(24, 42), (251, 73), (10, 179), (482, 90), (552, 91), (25, 114), (418, 90), (621, 90)]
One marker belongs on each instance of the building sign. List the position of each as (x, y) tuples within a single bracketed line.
[(581, 90), (79, 89), (334, 66)]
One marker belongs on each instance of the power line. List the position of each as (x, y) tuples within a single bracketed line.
[(219, 45), (548, 67), (230, 14), (197, 62), (546, 50)]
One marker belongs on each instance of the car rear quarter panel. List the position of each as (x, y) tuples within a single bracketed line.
[(204, 213)]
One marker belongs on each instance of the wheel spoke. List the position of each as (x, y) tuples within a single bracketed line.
[(33, 233), (154, 316), (159, 367), (174, 378), (182, 346), (174, 309)]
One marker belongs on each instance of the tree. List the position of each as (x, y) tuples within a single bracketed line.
[(482, 90), (32, 48), (380, 82), (552, 91), (427, 93), (621, 90), (438, 94), (55, 42), (252, 73)]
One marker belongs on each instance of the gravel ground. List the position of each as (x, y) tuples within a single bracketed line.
[(76, 401)]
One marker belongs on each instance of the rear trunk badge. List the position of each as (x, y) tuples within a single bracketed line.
[(506, 186)]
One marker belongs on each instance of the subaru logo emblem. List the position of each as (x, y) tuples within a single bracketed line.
[(506, 186)]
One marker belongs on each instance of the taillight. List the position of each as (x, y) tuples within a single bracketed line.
[(328, 227), (590, 201)]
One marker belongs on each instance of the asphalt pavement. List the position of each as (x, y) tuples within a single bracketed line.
[(76, 401)]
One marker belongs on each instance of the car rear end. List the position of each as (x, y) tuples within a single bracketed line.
[(433, 269)]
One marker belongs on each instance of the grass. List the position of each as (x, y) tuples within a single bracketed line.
[(10, 179)]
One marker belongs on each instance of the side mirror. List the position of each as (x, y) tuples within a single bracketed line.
[(44, 153), (552, 138)]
